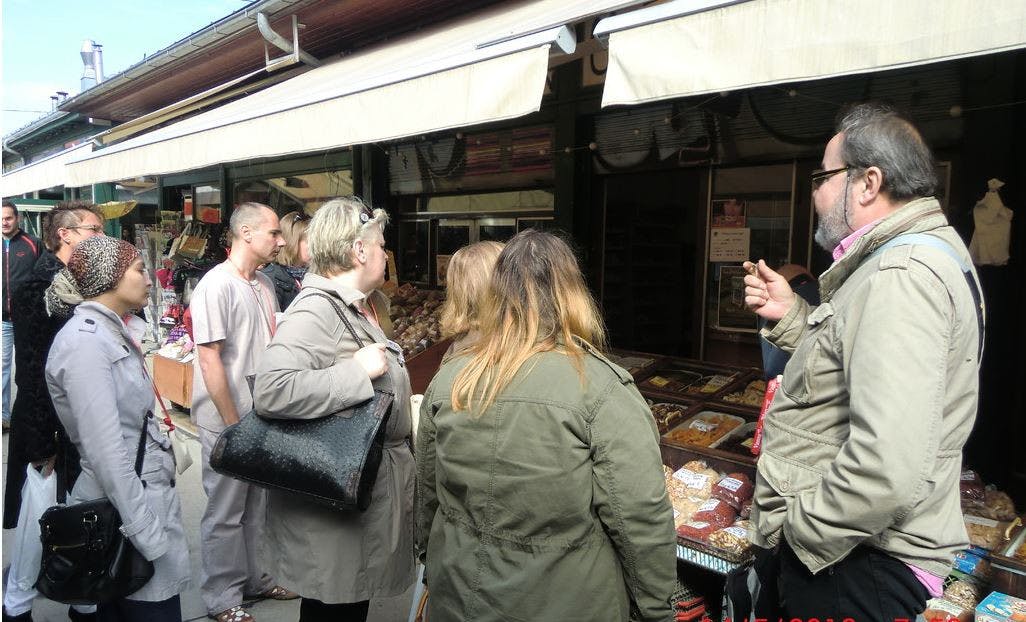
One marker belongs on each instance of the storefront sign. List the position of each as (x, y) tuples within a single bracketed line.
[(729, 244)]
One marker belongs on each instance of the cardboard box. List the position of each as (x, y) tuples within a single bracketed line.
[(998, 607), (173, 380)]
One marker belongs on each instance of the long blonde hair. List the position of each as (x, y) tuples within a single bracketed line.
[(538, 302), (293, 230), (469, 275)]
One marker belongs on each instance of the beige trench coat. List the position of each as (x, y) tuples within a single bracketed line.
[(308, 371)]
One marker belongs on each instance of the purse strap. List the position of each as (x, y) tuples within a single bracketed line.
[(340, 312)]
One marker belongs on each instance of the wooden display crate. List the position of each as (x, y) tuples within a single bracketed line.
[(173, 380)]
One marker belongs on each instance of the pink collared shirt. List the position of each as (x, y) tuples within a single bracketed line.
[(846, 243), (933, 584)]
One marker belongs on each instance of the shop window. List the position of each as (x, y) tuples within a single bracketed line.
[(750, 217), (461, 162), (206, 204), (522, 200), (304, 193), (452, 236), (538, 224), (496, 229), (415, 251)]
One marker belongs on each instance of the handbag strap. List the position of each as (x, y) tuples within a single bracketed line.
[(160, 400), (339, 311), (911, 239)]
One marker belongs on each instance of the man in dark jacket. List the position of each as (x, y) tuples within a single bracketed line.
[(20, 253), (37, 437)]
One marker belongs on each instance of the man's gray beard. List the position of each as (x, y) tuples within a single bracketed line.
[(832, 228)]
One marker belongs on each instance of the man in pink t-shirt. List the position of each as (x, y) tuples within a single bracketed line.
[(856, 508)]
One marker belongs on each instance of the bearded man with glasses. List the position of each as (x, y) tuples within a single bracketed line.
[(856, 508)]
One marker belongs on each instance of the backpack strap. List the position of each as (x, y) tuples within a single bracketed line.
[(923, 239)]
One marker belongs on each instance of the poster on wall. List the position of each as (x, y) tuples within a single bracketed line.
[(729, 244), (731, 311), (729, 213)]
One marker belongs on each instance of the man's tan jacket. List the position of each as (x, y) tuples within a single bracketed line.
[(863, 441)]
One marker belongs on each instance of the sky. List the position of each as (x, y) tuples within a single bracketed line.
[(42, 40)]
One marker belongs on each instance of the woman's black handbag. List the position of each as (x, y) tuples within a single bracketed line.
[(86, 559), (332, 460)]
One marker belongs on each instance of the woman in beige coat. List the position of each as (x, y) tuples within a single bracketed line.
[(338, 561)]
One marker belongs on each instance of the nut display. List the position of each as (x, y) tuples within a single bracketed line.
[(704, 429), (734, 489), (667, 414), (716, 512), (414, 314), (751, 395), (733, 539)]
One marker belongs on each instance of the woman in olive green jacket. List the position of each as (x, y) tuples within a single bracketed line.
[(540, 487)]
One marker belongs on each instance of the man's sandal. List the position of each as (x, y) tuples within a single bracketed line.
[(235, 614), (275, 593)]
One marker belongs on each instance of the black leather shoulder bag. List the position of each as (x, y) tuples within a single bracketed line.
[(86, 559), (332, 460)]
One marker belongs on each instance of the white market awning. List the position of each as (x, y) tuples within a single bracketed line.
[(50, 172), (694, 47), (487, 67)]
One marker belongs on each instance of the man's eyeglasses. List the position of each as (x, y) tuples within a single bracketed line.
[(93, 228), (820, 178)]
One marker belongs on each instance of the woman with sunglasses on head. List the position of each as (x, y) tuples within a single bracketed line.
[(38, 439), (101, 391), (315, 367), (288, 270), (540, 489)]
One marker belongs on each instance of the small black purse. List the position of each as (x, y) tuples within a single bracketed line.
[(332, 460), (86, 559)]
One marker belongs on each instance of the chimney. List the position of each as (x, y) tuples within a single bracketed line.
[(92, 58), (53, 103), (98, 61)]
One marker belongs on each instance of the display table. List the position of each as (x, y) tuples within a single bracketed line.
[(173, 380), (423, 366)]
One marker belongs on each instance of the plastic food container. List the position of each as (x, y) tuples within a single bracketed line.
[(667, 414), (704, 429), (732, 440)]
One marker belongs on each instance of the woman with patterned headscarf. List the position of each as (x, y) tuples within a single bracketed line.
[(101, 392)]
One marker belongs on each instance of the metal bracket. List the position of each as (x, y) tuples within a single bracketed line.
[(294, 54)]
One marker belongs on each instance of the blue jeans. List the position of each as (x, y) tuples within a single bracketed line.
[(8, 338)]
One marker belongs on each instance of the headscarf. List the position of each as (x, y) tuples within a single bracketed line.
[(96, 266)]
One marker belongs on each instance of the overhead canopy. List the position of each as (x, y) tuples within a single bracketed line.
[(693, 47), (486, 67), (49, 172)]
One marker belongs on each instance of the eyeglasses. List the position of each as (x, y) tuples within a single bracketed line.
[(299, 216), (820, 178), (93, 228)]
